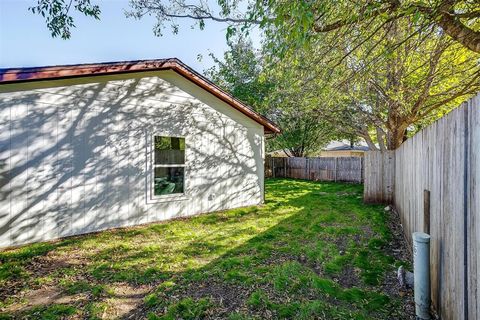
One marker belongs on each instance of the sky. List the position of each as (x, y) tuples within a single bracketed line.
[(25, 41)]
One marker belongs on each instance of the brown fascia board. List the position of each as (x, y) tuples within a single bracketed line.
[(19, 75)]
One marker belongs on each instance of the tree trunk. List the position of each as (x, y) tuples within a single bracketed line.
[(296, 152), (395, 137), (369, 142), (381, 139)]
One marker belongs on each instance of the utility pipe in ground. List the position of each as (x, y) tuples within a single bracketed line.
[(421, 273)]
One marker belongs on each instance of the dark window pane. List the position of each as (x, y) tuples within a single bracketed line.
[(169, 150), (168, 180)]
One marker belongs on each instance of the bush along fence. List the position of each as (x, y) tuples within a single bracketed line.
[(435, 189), (345, 169)]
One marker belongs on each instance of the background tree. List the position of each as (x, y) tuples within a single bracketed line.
[(239, 72), (410, 87), (242, 72), (401, 92)]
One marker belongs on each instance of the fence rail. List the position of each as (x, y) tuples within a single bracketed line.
[(345, 169), (436, 190)]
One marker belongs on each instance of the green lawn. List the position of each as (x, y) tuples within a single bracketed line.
[(314, 250)]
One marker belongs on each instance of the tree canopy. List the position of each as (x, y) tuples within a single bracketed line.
[(293, 21), (380, 94)]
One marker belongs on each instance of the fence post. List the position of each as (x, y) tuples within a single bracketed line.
[(273, 168), (306, 169), (426, 211), (362, 169), (335, 170)]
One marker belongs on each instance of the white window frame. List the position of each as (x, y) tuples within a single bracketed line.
[(172, 196)]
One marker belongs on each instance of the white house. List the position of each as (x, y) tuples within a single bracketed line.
[(89, 147)]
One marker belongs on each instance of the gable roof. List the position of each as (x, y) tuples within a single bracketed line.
[(19, 75)]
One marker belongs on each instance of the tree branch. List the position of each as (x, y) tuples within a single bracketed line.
[(460, 32)]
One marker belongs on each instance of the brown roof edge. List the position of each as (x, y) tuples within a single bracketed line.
[(19, 75)]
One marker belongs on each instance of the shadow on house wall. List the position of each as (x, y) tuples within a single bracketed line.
[(77, 158)]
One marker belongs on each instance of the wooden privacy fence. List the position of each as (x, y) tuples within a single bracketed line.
[(379, 171), (436, 190), (345, 169)]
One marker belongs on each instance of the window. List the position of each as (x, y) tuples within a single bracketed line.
[(168, 165)]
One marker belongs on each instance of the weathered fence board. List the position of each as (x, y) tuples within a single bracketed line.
[(473, 208), (379, 175), (346, 169), (441, 162)]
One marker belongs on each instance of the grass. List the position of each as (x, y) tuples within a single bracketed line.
[(314, 250)]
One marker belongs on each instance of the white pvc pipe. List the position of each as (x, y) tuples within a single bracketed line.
[(421, 272)]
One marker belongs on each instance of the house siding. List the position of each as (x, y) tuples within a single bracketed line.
[(75, 154)]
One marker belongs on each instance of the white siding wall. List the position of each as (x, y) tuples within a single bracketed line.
[(75, 154)]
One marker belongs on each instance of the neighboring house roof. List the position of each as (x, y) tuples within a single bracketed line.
[(348, 148), (345, 146), (335, 145), (18, 75)]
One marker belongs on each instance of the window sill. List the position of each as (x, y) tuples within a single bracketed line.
[(170, 198)]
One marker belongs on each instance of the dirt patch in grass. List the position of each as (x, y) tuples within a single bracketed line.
[(126, 300), (42, 297), (349, 277), (229, 297), (226, 298)]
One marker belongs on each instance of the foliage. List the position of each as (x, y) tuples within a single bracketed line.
[(384, 97), (243, 73), (240, 72), (304, 134), (58, 14), (313, 250), (358, 20), (293, 22)]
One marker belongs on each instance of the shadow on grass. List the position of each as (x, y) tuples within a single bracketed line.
[(314, 250)]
